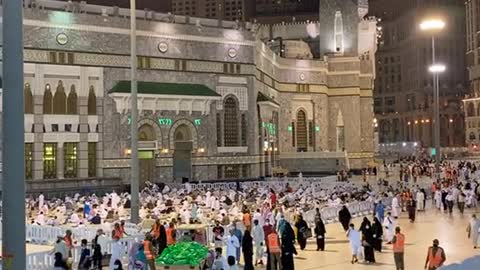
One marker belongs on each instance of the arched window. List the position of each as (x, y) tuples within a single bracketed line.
[(472, 136), (183, 134), (92, 101), (27, 95), (244, 130), (60, 100), (72, 101), (47, 100), (470, 109), (301, 131), (219, 130), (230, 122), (146, 133)]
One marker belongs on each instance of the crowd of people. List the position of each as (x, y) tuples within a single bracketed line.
[(251, 211), (259, 224)]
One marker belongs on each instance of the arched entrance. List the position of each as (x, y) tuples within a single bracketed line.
[(146, 154), (182, 155)]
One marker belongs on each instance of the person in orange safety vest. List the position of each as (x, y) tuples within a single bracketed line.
[(171, 234), (274, 250), (398, 246), (435, 256), (149, 251), (117, 231)]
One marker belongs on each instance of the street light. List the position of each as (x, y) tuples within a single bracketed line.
[(434, 25), (437, 68)]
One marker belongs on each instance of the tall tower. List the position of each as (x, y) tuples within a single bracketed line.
[(339, 25)]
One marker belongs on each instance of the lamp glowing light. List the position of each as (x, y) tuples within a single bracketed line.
[(437, 68), (432, 24)]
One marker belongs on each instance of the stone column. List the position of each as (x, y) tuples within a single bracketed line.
[(100, 137), (38, 88), (83, 144), (37, 137)]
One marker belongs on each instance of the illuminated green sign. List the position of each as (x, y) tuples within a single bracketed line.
[(198, 122), (165, 121), (272, 129), (433, 152), (317, 128), (290, 128)]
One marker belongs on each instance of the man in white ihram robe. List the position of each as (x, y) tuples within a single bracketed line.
[(395, 207), (41, 201), (389, 223), (420, 197)]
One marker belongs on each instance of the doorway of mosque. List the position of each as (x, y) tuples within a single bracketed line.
[(182, 156)]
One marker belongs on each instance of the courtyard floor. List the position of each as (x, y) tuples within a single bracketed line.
[(449, 230)]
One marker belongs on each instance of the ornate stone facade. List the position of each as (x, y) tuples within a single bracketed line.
[(267, 110)]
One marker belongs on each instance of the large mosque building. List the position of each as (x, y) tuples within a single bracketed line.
[(215, 102)]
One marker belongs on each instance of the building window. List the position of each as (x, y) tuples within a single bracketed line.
[(49, 160), (230, 122), (72, 101), (28, 97), (29, 161), (311, 133), (54, 127), (244, 130), (70, 157), (301, 131), (245, 171), (472, 136), (219, 130), (60, 100), (92, 101), (390, 101), (47, 100), (68, 127), (232, 171), (92, 159), (470, 109), (220, 172), (303, 88)]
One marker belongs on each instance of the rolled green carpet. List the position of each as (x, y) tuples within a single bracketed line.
[(183, 253)]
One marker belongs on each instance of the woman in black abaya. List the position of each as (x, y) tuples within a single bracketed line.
[(368, 240), (288, 248), (377, 234), (247, 249), (320, 234), (344, 217)]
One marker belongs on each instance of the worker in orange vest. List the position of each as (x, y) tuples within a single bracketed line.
[(117, 231), (149, 251), (435, 256), (171, 234), (155, 232), (122, 228), (398, 246), (247, 220), (274, 250)]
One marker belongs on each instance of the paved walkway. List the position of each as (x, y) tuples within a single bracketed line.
[(451, 232)]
